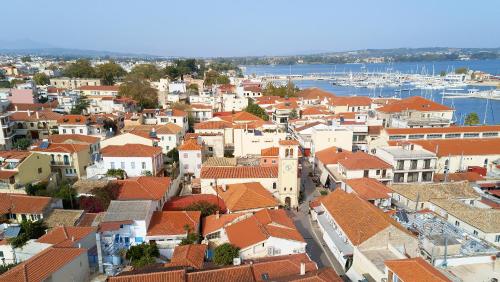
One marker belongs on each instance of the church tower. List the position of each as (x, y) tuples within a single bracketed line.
[(288, 167)]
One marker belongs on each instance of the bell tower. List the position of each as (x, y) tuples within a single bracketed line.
[(288, 167)]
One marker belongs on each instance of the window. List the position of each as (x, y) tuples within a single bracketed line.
[(186, 166), (64, 130), (427, 164), (416, 136), (143, 165), (399, 177), (81, 131), (401, 165), (132, 165), (457, 223), (412, 177), (414, 164), (452, 135), (185, 155), (122, 165), (397, 137), (490, 134), (434, 136), (1, 254), (471, 135), (112, 165), (497, 238), (365, 173), (475, 233), (213, 235), (39, 170), (274, 185), (377, 172)]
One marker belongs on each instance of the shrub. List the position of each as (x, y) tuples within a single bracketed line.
[(225, 253)]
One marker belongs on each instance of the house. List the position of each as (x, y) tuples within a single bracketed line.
[(72, 237), (371, 190), (124, 224), (326, 161), (415, 111), (456, 155), (190, 158), (62, 217), (342, 104), (175, 116), (35, 125), (269, 156), (201, 112), (323, 137), (74, 83), (7, 134), (361, 164), (281, 181), (156, 189), (265, 233), (410, 163), (19, 168), (168, 228), (313, 96), (94, 143), (192, 255), (246, 197), (361, 236), (52, 264), (74, 124), (134, 159), (99, 90), (18, 208), (413, 270), (67, 160)]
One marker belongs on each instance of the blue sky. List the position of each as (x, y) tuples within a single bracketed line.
[(258, 27)]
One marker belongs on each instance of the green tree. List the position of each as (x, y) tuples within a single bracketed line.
[(206, 208), (225, 253), (461, 71), (81, 106), (82, 68), (293, 114), (5, 267), (29, 230), (193, 88), (191, 237), (22, 144), (118, 173), (214, 77), (442, 73), (33, 189), (146, 71), (67, 194), (109, 72), (288, 90), (142, 255), (190, 122), (472, 119), (41, 78), (173, 155), (256, 110), (26, 59), (140, 90), (172, 72)]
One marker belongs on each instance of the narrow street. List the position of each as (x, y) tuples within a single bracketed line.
[(316, 247)]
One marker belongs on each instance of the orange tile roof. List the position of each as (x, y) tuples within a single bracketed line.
[(87, 219), (239, 172), (359, 219), (312, 111), (325, 274), (73, 119), (165, 276), (247, 196), (457, 147), (130, 150), (192, 255), (32, 116), (241, 117), (66, 138), (262, 225), (182, 202), (362, 160), (6, 174), (190, 145), (270, 152), (242, 273), (314, 93), (470, 176), (201, 106), (100, 88), (14, 203), (13, 154), (213, 125), (415, 270), (62, 148), (143, 188), (306, 126), (450, 129), (281, 266), (164, 223), (368, 188), (169, 128), (414, 103), (214, 222), (350, 101), (288, 142), (66, 236), (331, 155), (286, 105), (41, 266)]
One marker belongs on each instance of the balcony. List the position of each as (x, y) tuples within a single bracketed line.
[(61, 163)]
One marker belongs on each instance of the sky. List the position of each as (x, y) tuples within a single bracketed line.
[(200, 28)]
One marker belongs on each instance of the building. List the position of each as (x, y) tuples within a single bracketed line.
[(156, 189), (18, 208), (168, 228), (35, 125), (246, 197), (190, 158), (19, 168), (361, 236), (192, 255), (99, 90), (7, 132), (74, 83), (370, 190), (74, 124), (410, 163), (360, 164), (413, 270), (134, 159)]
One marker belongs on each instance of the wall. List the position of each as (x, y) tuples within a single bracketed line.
[(455, 161), (126, 138), (246, 143), (191, 159), (21, 96), (131, 172), (28, 169), (327, 138), (77, 270)]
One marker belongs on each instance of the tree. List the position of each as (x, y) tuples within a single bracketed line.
[(293, 114), (225, 253), (442, 73), (146, 71), (33, 189), (26, 59), (172, 72), (143, 254), (100, 199), (29, 230), (22, 144), (213, 77), (67, 194), (190, 122), (193, 88), (288, 90), (191, 237), (81, 105), (206, 208), (472, 119), (118, 173), (41, 78), (140, 90), (461, 71), (5, 267), (256, 110), (173, 155), (109, 72), (81, 69)]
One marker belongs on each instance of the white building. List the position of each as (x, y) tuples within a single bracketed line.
[(190, 158)]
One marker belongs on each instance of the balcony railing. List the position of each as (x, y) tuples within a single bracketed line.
[(61, 163)]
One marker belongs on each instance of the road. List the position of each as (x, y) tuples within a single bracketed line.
[(316, 247)]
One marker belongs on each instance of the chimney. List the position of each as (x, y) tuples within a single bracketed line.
[(15, 107), (224, 187), (29, 113), (302, 268), (37, 117), (217, 214)]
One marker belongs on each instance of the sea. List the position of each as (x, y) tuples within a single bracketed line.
[(488, 110)]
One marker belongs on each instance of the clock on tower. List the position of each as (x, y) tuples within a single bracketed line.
[(288, 178)]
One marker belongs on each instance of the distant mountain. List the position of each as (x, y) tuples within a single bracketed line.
[(30, 47)]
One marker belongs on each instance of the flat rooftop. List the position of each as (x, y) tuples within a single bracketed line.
[(401, 153)]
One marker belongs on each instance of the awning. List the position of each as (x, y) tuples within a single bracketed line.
[(323, 177)]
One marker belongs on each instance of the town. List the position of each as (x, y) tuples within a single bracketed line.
[(189, 170)]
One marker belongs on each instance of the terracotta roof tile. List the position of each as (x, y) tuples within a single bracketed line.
[(414, 103), (369, 188), (100, 88), (32, 116), (66, 236), (165, 223), (470, 176), (239, 172), (71, 138), (350, 101), (73, 119), (213, 223), (247, 196), (213, 125), (270, 152), (450, 129), (331, 155), (289, 142), (192, 255), (143, 188), (314, 93), (361, 160), (164, 276), (415, 270), (182, 202), (130, 150), (13, 203), (457, 147), (190, 145), (242, 273), (62, 148)]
